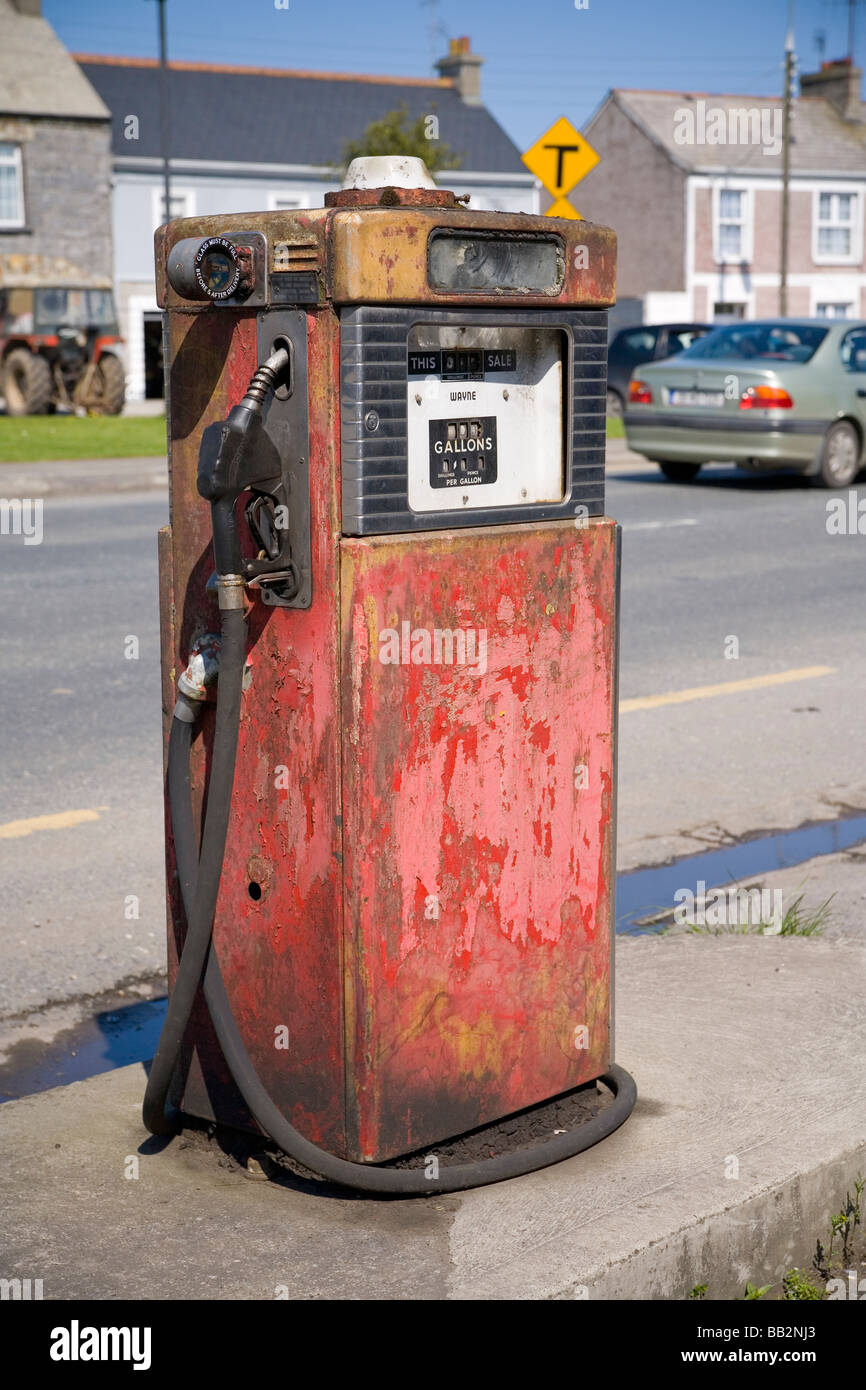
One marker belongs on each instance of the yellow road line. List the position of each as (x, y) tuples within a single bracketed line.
[(706, 692), (61, 820)]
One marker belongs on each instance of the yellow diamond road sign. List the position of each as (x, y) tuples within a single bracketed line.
[(563, 208), (561, 158)]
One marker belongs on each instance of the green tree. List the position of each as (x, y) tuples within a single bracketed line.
[(396, 134)]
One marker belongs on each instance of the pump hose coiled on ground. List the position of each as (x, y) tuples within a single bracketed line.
[(199, 876)]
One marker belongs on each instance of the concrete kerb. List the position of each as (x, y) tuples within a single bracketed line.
[(75, 477), (750, 1127)]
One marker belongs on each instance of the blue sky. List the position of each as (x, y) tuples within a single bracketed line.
[(543, 58)]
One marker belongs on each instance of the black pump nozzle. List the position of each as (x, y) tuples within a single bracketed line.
[(237, 454)]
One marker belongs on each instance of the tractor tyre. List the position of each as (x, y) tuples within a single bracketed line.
[(27, 383)]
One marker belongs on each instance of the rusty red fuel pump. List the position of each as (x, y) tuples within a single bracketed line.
[(387, 425)]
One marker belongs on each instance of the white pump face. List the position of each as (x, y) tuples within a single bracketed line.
[(485, 417)]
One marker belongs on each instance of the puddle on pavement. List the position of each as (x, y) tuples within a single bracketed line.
[(648, 892), (120, 1035), (114, 1037)]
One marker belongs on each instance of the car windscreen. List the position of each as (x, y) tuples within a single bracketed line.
[(679, 339), (100, 308), (778, 342)]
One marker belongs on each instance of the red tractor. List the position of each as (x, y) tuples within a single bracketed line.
[(60, 347)]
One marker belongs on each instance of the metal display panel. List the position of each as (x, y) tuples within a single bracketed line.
[(392, 356)]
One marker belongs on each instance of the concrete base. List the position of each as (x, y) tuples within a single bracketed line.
[(749, 1128)]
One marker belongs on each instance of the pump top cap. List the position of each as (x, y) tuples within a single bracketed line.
[(388, 171)]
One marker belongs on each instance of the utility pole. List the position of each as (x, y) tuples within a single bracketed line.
[(786, 161), (164, 123)]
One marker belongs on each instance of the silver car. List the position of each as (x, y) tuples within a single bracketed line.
[(764, 393)]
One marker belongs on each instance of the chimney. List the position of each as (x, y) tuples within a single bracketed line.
[(465, 69), (32, 8), (839, 83)]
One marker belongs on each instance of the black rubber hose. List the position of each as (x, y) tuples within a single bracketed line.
[(360, 1176), (201, 908)]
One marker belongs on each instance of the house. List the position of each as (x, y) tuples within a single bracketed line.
[(55, 160), (252, 139), (692, 184)]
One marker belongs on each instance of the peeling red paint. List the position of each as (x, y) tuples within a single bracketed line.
[(476, 876)]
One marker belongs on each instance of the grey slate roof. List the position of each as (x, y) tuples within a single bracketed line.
[(822, 141), (263, 117), (37, 75)]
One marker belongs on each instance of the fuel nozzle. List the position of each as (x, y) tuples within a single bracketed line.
[(238, 455)]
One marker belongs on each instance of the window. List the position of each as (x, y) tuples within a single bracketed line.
[(182, 205), (732, 237), (637, 345), (73, 308), (11, 187), (853, 350), (836, 218), (781, 342), (833, 311), (681, 338), (729, 310)]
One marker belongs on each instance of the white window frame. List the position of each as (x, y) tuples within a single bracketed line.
[(748, 224), (835, 289), (16, 163), (855, 256), (834, 304), (186, 195)]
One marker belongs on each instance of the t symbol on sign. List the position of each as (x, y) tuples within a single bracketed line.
[(563, 151)]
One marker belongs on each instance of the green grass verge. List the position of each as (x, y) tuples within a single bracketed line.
[(43, 438)]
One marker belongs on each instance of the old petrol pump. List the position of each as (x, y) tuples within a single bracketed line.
[(387, 424)]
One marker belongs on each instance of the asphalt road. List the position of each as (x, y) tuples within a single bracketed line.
[(726, 557), (81, 732)]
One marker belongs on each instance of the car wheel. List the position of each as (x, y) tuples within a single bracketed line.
[(679, 472), (614, 402), (840, 456)]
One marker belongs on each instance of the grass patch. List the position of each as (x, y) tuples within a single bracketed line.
[(835, 1272), (44, 438), (796, 921), (799, 1286), (615, 427)]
